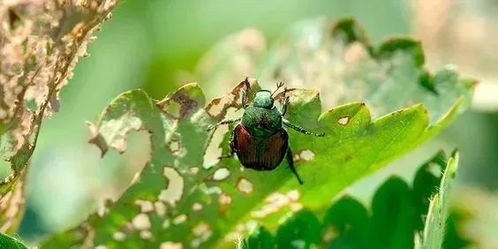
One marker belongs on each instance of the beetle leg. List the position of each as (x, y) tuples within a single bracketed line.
[(229, 155), (279, 85), (244, 99), (290, 161), (245, 93), (286, 103), (302, 130), (232, 150), (223, 122)]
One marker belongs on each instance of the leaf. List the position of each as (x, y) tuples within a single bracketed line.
[(339, 60), (425, 184), (393, 215), (391, 222), (260, 238), (346, 225), (40, 46), (7, 242), (177, 200), (453, 239), (472, 221), (302, 230), (435, 224)]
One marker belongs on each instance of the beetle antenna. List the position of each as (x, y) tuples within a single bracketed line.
[(279, 85)]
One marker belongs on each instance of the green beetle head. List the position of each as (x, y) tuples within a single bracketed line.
[(263, 99)]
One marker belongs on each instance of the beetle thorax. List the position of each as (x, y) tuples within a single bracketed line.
[(262, 122)]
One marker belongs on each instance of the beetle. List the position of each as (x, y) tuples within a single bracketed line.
[(259, 139)]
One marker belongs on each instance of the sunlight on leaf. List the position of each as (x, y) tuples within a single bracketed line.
[(177, 201)]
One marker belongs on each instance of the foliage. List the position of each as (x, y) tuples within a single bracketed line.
[(41, 42), (178, 200), (7, 242), (435, 223), (393, 220)]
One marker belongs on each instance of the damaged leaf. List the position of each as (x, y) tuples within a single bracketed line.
[(40, 43), (178, 201)]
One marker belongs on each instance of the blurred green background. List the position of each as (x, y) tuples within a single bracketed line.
[(155, 45)]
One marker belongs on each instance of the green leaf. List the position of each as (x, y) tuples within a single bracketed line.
[(338, 59), (259, 238), (435, 223), (425, 185), (454, 239), (46, 64), (300, 231), (390, 223), (393, 216), (177, 199), (7, 242), (346, 225)]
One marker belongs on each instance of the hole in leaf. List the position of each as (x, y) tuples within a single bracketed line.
[(194, 170), (146, 234), (213, 151), (175, 146), (225, 199), (180, 219), (294, 207), (219, 143), (221, 174), (119, 236), (202, 231), (170, 245), (307, 155), (160, 208), (141, 222), (344, 120), (277, 201), (293, 195), (244, 186), (174, 192), (145, 206), (197, 206)]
